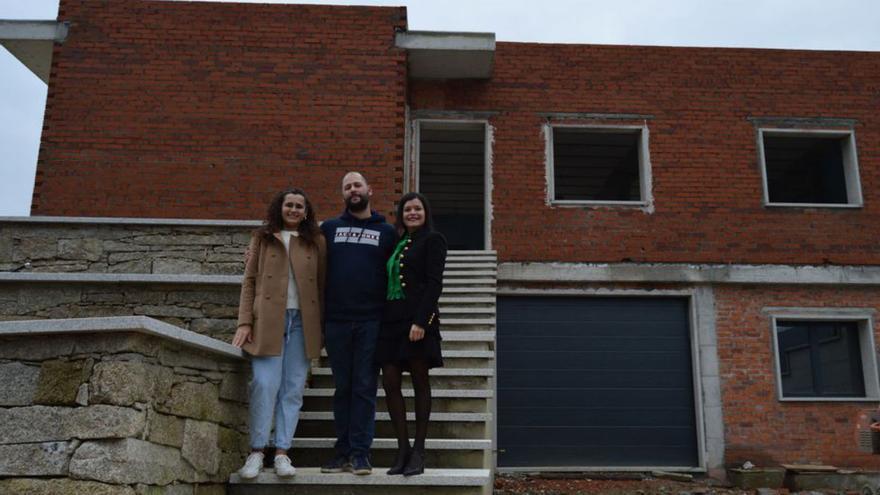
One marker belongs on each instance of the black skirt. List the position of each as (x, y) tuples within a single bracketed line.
[(394, 346)]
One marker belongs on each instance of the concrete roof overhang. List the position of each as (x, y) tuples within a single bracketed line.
[(448, 55), (31, 43)]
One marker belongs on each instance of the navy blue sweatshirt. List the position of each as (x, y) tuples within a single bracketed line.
[(356, 278)]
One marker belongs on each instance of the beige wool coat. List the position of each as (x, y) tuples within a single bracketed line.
[(264, 292)]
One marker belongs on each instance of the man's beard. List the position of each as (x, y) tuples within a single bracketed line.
[(360, 206)]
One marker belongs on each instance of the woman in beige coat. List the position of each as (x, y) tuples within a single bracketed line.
[(279, 322)]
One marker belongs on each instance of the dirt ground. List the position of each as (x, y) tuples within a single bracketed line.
[(574, 485)]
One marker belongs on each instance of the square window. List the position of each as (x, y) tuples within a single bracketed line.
[(825, 354), (820, 359), (604, 165), (815, 168)]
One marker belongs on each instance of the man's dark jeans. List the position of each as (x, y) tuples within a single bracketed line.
[(350, 346)]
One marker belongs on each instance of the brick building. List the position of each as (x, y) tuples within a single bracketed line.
[(686, 237)]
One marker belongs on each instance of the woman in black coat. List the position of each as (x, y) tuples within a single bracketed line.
[(409, 338)]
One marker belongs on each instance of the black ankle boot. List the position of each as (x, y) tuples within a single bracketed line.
[(401, 462), (416, 463)]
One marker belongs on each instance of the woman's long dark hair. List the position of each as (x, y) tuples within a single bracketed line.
[(308, 227), (429, 220)]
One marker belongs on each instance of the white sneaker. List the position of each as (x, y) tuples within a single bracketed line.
[(283, 467), (252, 466)]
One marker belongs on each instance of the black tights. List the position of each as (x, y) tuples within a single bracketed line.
[(391, 379)]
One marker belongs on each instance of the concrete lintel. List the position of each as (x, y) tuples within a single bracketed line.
[(454, 115), (688, 273), (132, 221), (31, 43), (445, 40), (803, 121), (448, 55), (33, 30), (594, 116), (117, 324)]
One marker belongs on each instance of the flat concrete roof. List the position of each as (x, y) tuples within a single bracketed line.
[(31, 42), (448, 55)]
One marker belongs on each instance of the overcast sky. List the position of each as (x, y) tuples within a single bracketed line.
[(808, 24)]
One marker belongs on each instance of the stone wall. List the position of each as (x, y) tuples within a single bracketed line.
[(35, 246), (119, 412), (210, 310)]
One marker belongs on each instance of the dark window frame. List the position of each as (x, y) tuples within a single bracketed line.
[(861, 320)]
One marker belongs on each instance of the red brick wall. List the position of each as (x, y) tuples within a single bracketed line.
[(203, 110), (758, 427), (706, 180)]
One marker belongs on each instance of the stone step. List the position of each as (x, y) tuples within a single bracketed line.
[(391, 443), (467, 324), (478, 379), (472, 252), (458, 310), (468, 281), (441, 453), (468, 290), (448, 361), (438, 404), (312, 481), (470, 273), (316, 427), (454, 353), (454, 266), (408, 392), (467, 300), (436, 372)]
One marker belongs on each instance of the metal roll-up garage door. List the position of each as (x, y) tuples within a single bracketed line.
[(595, 382)]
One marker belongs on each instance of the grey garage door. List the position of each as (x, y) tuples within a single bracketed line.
[(595, 381)]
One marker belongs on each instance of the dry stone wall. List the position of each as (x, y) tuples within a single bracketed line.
[(118, 413), (210, 310), (34, 246)]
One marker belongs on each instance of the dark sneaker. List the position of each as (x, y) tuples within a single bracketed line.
[(361, 465), (338, 464)]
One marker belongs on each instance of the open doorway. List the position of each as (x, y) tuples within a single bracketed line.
[(451, 171)]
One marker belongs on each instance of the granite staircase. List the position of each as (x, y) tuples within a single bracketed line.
[(459, 446)]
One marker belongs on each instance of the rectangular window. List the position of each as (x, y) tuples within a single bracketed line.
[(809, 168), (598, 165), (820, 359), (825, 354)]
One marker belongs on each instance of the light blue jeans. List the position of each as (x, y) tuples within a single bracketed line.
[(277, 386)]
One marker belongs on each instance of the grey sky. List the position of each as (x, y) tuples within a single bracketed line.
[(806, 24)]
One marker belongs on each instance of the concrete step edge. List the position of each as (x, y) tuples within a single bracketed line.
[(410, 416), (478, 393), (467, 321), (469, 336), (391, 443), (466, 311), (470, 273), (455, 353), (434, 372), (467, 300), (468, 290), (314, 476)]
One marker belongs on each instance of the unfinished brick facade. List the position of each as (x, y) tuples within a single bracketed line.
[(196, 110), (202, 110), (759, 428)]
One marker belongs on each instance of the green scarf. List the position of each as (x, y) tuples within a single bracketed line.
[(395, 291)]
